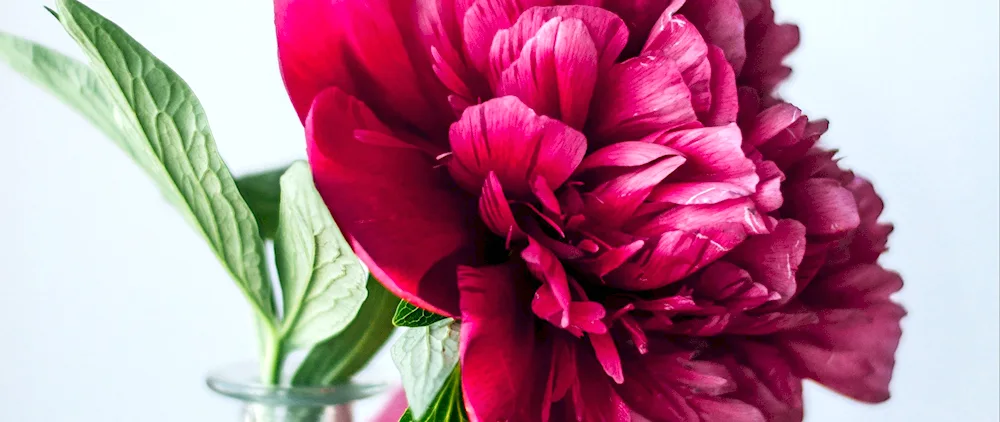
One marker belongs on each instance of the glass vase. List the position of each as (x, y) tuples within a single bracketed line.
[(283, 403)]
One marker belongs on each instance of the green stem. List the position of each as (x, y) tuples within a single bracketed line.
[(271, 362)]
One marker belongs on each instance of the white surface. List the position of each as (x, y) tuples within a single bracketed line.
[(113, 310)]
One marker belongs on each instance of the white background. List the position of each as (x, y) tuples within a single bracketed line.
[(112, 309)]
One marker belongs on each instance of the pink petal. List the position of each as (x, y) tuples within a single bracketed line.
[(674, 255), (721, 22), (727, 283), (716, 168), (484, 19), (606, 30), (322, 44), (676, 38), (726, 410), (770, 122), (736, 216), (768, 195), (615, 201), (823, 205), (625, 154), (402, 217), (725, 100), (640, 96), (547, 268), (394, 409), (773, 259), (555, 72), (495, 211), (497, 343), (607, 355), (505, 136), (610, 259)]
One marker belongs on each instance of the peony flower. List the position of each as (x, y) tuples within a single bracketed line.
[(609, 195)]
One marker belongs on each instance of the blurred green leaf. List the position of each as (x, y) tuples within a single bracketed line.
[(262, 193)]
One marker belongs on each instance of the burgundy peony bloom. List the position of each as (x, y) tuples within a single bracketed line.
[(627, 220)]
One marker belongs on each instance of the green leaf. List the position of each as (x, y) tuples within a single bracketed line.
[(448, 406), (166, 132), (322, 282), (337, 359), (262, 194), (408, 315), (68, 79), (426, 357)]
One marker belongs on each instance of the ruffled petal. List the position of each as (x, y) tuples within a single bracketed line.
[(404, 219), (555, 72), (504, 136), (823, 205), (676, 38), (606, 30), (854, 355), (716, 168), (725, 100), (766, 379), (497, 345), (640, 96), (773, 259)]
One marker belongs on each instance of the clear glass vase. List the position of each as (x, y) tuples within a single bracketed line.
[(282, 403)]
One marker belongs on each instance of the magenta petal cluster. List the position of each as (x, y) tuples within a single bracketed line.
[(628, 222)]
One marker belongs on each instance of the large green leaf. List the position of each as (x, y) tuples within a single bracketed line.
[(262, 193), (448, 406), (70, 80), (426, 357), (337, 359), (408, 315), (165, 130), (322, 282)]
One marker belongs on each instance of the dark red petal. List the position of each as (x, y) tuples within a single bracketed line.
[(765, 379), (497, 344), (361, 48), (555, 72), (721, 22), (640, 96), (773, 259), (854, 355), (404, 219), (823, 205), (854, 358), (505, 136)]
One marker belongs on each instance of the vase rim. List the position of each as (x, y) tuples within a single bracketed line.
[(241, 382)]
